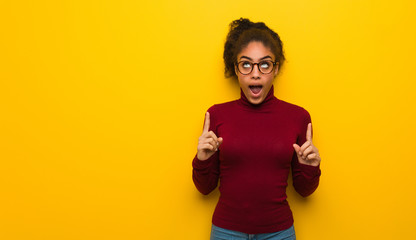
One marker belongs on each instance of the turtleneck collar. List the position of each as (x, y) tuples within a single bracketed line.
[(270, 98)]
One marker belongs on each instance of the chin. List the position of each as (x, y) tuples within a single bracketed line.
[(256, 101)]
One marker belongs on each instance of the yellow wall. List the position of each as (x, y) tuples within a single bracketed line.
[(102, 103)]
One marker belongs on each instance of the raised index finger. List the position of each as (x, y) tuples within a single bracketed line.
[(309, 133), (207, 122)]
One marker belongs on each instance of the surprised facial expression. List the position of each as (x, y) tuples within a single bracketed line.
[(256, 84)]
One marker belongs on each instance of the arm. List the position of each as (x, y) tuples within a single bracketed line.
[(205, 174), (305, 177), (205, 164), (306, 161)]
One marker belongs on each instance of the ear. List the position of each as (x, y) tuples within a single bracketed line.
[(276, 69)]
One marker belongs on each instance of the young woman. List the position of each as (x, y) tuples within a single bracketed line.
[(250, 145)]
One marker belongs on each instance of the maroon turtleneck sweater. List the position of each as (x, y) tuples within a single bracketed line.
[(253, 163)]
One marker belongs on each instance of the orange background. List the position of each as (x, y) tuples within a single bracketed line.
[(102, 103)]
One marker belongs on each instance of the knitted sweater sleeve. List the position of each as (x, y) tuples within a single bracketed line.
[(205, 174), (305, 177)]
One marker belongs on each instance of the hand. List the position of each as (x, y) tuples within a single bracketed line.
[(208, 142), (308, 154)]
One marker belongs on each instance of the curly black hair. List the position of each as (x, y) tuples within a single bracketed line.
[(242, 32)]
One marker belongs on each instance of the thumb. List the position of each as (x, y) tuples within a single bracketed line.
[(296, 147), (220, 140)]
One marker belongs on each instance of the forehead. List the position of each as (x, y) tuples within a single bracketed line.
[(255, 50)]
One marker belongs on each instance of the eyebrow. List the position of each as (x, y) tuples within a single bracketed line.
[(252, 59)]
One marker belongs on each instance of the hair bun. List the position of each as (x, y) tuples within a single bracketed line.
[(241, 24)]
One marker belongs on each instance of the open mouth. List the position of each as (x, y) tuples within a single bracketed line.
[(255, 89)]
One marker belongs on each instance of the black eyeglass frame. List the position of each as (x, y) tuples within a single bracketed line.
[(258, 66)]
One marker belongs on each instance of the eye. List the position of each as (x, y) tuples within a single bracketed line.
[(246, 64), (265, 65)]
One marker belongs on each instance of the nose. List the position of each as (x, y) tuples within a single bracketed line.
[(255, 73)]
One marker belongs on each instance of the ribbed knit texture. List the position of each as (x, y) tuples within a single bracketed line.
[(253, 163)]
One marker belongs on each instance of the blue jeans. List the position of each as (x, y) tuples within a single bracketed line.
[(218, 233)]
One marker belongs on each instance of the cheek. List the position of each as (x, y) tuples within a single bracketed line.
[(271, 79), (241, 80)]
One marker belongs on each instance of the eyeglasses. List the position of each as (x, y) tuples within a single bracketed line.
[(265, 67)]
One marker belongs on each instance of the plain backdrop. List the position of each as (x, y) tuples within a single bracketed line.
[(102, 103)]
